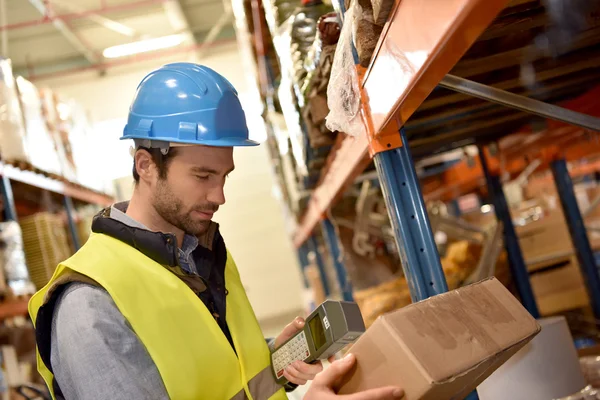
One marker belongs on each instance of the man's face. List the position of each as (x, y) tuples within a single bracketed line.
[(193, 188)]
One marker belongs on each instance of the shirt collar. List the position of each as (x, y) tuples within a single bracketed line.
[(117, 211)]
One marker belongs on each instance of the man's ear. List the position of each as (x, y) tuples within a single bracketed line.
[(144, 165)]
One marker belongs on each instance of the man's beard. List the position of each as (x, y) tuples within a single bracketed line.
[(170, 208)]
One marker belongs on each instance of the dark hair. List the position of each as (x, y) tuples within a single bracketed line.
[(161, 160)]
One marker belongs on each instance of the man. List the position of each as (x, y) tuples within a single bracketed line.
[(152, 306)]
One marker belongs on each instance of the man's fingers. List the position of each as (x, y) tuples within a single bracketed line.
[(337, 370), (309, 369), (296, 373), (385, 393), (294, 379), (290, 330)]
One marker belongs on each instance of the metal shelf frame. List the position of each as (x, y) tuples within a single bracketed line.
[(518, 268), (578, 232), (333, 245), (410, 222), (419, 60)]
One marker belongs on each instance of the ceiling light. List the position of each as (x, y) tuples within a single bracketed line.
[(143, 46)]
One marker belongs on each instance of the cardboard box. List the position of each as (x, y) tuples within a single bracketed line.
[(559, 289), (443, 347)]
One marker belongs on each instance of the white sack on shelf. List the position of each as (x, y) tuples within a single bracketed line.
[(12, 131), (40, 145), (12, 259), (343, 91)]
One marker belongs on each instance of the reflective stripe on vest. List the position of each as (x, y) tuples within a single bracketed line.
[(261, 387), (190, 351)]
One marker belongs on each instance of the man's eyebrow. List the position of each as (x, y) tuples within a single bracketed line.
[(207, 170)]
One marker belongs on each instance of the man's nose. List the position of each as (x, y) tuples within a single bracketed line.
[(217, 195)]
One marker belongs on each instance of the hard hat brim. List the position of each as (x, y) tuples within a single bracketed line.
[(221, 142)]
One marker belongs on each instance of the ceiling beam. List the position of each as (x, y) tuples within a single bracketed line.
[(216, 29), (99, 19), (3, 19), (62, 27), (178, 20)]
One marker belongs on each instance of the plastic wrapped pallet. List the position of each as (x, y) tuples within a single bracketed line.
[(12, 131), (343, 91), (366, 32), (12, 258), (460, 261), (314, 89), (40, 144)]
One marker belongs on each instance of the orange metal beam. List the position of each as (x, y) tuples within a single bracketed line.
[(13, 308), (420, 44)]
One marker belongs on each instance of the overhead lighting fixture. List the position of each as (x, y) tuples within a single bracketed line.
[(143, 46)]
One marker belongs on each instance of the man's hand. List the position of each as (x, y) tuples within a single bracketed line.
[(322, 386), (298, 372)]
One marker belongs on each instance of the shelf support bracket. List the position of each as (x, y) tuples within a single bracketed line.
[(581, 243), (10, 210), (314, 250), (70, 210), (522, 103), (410, 222), (517, 264), (331, 238)]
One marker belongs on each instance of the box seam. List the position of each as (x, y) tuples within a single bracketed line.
[(408, 351)]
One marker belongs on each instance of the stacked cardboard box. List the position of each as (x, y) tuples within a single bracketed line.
[(555, 276)]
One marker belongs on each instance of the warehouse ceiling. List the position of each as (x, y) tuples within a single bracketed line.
[(45, 38)]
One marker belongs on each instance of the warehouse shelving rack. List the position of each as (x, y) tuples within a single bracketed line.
[(69, 192), (387, 144), (420, 44)]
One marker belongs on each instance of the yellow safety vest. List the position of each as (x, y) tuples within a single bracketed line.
[(193, 356)]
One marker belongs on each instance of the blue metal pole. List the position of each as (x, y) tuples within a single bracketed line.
[(333, 245), (585, 255), (511, 241), (409, 219), (454, 208), (71, 220), (303, 257), (314, 247), (10, 210)]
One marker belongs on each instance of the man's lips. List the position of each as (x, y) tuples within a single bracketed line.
[(205, 214)]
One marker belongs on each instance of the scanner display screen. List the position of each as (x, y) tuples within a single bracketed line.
[(317, 332)]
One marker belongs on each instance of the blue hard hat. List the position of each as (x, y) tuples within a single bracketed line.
[(190, 104)]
